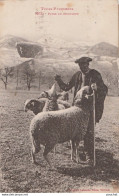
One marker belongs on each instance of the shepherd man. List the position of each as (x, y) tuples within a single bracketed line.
[(92, 78)]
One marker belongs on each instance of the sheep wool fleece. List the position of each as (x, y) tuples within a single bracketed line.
[(59, 126)]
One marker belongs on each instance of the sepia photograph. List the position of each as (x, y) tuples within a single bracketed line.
[(59, 96)]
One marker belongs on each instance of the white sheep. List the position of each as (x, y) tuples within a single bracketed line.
[(46, 104), (50, 128), (64, 96)]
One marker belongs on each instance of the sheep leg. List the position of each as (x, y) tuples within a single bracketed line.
[(33, 157), (77, 151), (48, 148), (54, 150), (77, 156), (35, 149), (73, 150)]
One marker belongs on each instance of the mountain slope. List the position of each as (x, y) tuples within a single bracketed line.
[(105, 49), (9, 41)]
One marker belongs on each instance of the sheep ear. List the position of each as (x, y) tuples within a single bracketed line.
[(27, 101), (53, 90), (32, 103), (46, 93)]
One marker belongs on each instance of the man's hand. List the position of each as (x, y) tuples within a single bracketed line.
[(57, 77), (94, 86)]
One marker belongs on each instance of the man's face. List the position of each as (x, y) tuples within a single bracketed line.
[(84, 67)]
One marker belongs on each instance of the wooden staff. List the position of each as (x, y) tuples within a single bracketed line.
[(94, 158)]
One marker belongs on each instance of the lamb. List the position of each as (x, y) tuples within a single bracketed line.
[(51, 103), (50, 128), (64, 96)]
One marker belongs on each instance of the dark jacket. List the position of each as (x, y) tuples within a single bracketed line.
[(92, 76)]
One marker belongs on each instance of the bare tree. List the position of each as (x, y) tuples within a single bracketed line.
[(28, 75), (17, 77), (5, 74), (39, 75)]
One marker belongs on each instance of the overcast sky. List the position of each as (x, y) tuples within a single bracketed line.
[(96, 22)]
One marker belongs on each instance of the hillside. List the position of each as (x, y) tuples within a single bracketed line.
[(56, 56), (10, 41), (104, 49)]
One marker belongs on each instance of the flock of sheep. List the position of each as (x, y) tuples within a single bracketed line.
[(56, 121)]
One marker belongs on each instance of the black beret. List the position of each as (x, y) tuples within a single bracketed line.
[(83, 60)]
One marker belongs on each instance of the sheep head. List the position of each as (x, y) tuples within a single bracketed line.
[(82, 92), (81, 97), (50, 94), (34, 105)]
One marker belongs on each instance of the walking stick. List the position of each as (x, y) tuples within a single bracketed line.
[(94, 158)]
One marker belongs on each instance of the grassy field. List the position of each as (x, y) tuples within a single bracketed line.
[(18, 174)]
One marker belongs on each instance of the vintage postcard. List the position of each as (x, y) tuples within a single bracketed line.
[(59, 96)]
